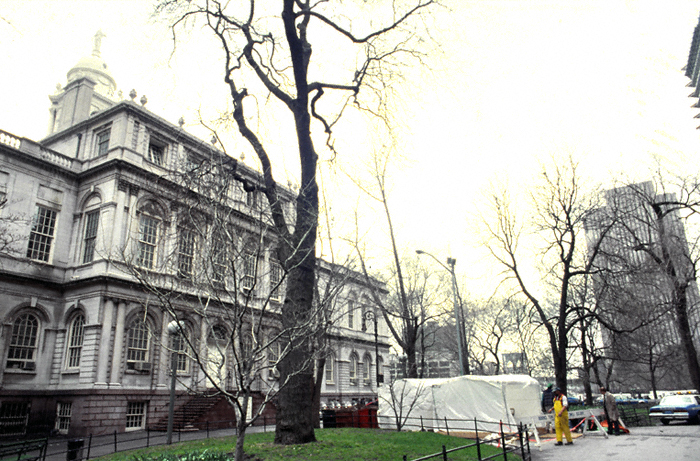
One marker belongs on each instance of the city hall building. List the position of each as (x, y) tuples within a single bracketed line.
[(83, 341)]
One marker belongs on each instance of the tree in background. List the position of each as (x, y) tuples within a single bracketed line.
[(271, 52), (647, 269), (560, 207)]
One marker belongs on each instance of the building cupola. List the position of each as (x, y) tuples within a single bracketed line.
[(90, 89)]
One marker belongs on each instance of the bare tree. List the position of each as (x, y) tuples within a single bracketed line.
[(403, 398), (649, 266), (559, 208), (409, 306), (272, 50), (493, 323), (216, 274)]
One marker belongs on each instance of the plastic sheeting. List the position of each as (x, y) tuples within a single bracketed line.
[(506, 398)]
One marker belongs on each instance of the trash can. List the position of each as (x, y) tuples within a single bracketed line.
[(328, 419), (75, 449)]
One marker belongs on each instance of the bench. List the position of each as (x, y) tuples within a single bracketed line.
[(25, 450)]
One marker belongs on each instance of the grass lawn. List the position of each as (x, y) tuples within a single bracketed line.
[(332, 445)]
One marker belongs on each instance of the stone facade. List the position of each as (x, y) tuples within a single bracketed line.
[(82, 342)]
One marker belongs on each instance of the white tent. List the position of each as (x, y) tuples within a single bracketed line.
[(426, 403)]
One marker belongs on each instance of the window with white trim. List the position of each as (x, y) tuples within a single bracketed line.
[(351, 313), (249, 271), (22, 351), (138, 345), (367, 370), (185, 252), (102, 142), (92, 220), (135, 415), (156, 152), (42, 234), (148, 240), (273, 356), (76, 334), (276, 284), (330, 369), (354, 368), (63, 414), (178, 345), (219, 259)]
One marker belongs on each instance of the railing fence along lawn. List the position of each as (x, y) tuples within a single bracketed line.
[(510, 438)]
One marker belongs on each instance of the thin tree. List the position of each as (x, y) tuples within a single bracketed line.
[(408, 308), (276, 47)]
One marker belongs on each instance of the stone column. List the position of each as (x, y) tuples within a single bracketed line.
[(105, 343), (118, 344)]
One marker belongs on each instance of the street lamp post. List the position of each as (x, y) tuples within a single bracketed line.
[(173, 330), (369, 315), (463, 364)]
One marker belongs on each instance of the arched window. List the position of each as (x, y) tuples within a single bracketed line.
[(330, 369), (22, 351), (367, 370), (138, 345), (75, 341), (354, 369)]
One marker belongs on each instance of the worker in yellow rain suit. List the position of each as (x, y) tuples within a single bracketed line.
[(561, 417)]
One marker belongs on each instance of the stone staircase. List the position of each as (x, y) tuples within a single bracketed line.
[(188, 414)]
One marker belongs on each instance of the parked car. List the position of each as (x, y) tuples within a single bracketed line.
[(574, 401), (677, 407)]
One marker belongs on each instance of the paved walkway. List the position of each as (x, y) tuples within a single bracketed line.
[(675, 442)]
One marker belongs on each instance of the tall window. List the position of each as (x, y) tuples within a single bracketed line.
[(351, 313), (178, 345), (23, 342), (185, 253), (367, 370), (135, 415), (276, 285), (102, 140), (75, 341), (219, 260), (91, 223), (156, 153), (137, 344), (249, 269), (330, 369), (41, 236), (148, 237), (353, 369), (63, 414), (273, 356), (380, 370)]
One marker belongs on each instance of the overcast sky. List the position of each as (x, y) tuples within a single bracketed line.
[(515, 82)]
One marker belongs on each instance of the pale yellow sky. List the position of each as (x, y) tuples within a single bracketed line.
[(513, 82)]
